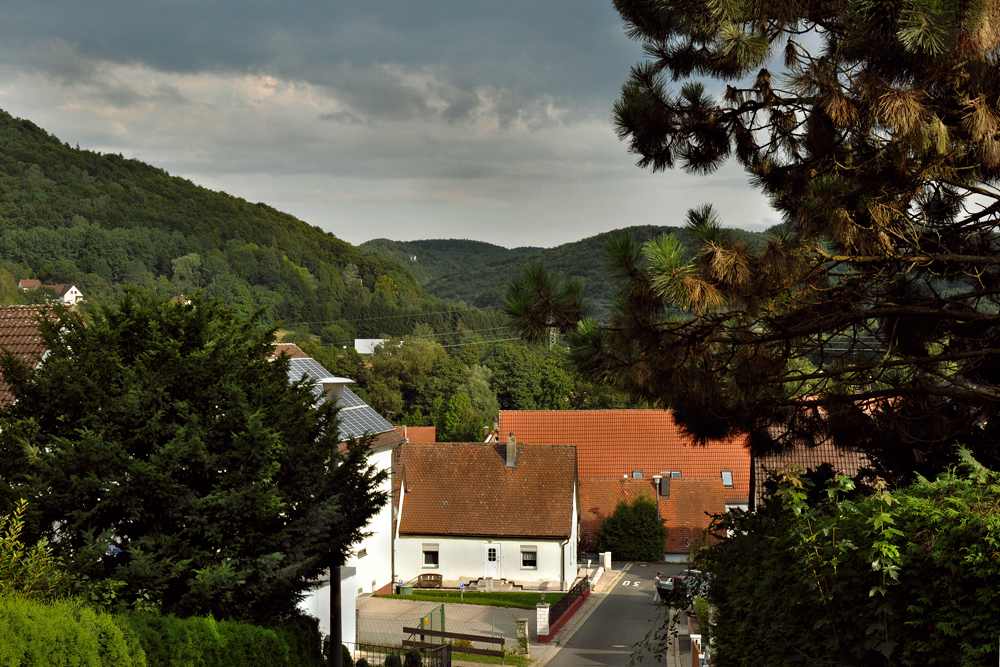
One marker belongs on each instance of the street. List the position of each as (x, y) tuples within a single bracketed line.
[(622, 620)]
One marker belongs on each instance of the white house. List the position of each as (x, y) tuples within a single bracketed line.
[(369, 568), (468, 511)]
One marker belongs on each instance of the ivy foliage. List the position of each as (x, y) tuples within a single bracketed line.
[(634, 531), (829, 574)]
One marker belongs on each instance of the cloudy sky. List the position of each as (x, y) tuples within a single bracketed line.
[(482, 119)]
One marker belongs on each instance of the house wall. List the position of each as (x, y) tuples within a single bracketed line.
[(374, 569), (461, 558), (317, 605)]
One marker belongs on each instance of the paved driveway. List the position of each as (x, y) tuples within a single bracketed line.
[(623, 619)]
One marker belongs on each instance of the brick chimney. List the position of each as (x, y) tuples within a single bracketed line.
[(511, 451)]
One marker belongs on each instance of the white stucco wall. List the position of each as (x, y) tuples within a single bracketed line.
[(317, 605), (376, 564), (462, 558)]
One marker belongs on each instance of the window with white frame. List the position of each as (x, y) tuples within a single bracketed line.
[(727, 479), (529, 557), (431, 555)]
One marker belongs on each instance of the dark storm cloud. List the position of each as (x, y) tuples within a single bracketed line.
[(572, 50)]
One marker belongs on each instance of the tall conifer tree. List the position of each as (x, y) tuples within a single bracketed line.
[(871, 314), (159, 447)]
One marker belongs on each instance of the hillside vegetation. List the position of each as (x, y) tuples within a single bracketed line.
[(481, 270), (432, 259), (100, 221)]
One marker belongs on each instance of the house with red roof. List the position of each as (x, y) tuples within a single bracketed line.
[(468, 511), (65, 293), (19, 336), (623, 453)]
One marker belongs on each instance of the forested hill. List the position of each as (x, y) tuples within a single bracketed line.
[(483, 282), (100, 221), (433, 259)]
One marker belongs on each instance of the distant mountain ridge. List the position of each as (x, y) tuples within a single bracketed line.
[(477, 273), (431, 259)]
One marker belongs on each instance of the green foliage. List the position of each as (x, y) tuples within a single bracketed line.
[(63, 633), (413, 658), (528, 379), (31, 573), (162, 430), (169, 641), (823, 576), (634, 531), (346, 657), (393, 660)]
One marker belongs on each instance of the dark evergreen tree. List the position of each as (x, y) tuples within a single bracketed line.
[(160, 448), (871, 314)]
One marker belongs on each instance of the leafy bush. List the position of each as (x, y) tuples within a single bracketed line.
[(28, 572), (634, 531), (348, 659), (63, 633), (393, 660), (204, 642), (413, 658)]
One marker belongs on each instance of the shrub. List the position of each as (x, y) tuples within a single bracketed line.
[(362, 662), (633, 531), (348, 658), (29, 572), (414, 658), (393, 660), (204, 642), (63, 633)]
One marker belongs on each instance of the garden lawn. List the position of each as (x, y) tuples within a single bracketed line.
[(502, 599)]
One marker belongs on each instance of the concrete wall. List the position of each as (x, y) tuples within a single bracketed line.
[(376, 565), (461, 558)]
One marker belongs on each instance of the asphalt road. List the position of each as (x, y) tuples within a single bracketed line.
[(621, 621)]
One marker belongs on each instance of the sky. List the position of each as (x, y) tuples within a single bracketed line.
[(479, 119)]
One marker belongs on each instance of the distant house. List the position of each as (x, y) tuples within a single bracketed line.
[(472, 510), (621, 453), (65, 293), (367, 345), (19, 336)]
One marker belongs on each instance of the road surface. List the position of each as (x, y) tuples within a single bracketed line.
[(609, 637)]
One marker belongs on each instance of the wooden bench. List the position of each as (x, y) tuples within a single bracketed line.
[(429, 581)]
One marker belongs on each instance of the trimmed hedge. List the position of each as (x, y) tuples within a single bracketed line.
[(66, 633), (63, 633), (204, 642)]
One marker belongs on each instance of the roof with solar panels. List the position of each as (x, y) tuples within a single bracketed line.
[(356, 417)]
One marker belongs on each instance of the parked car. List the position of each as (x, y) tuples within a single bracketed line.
[(688, 583)]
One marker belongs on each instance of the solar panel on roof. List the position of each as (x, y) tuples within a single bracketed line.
[(309, 367)]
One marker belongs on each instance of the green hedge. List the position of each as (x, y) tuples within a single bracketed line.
[(65, 633), (54, 634), (204, 642)]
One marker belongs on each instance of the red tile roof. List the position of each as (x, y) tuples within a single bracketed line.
[(843, 462), (612, 443), (418, 433), (19, 336), (466, 489), (29, 283), (686, 512), (598, 499), (290, 349)]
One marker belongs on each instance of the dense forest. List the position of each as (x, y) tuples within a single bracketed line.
[(101, 221), (432, 259), (477, 274)]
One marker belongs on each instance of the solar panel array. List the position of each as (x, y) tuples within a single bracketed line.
[(356, 416), (360, 418)]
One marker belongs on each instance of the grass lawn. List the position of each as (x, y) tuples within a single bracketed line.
[(516, 660), (501, 599)]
